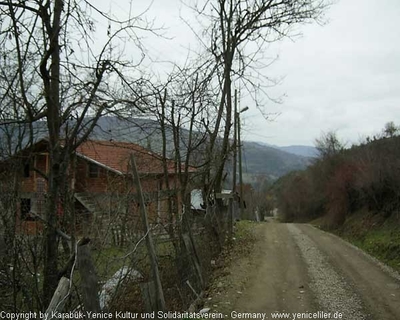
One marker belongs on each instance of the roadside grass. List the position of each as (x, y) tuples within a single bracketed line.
[(374, 234), (245, 235), (244, 230), (384, 244)]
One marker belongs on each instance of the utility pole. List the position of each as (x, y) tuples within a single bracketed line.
[(240, 160), (233, 200)]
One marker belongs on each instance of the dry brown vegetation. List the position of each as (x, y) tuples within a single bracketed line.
[(343, 181)]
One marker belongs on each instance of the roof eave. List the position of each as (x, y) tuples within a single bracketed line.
[(99, 163)]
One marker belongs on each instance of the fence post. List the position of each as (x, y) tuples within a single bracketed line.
[(160, 302), (58, 300), (89, 279)]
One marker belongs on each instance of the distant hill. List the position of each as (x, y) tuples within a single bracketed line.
[(271, 161), (304, 151), (259, 159)]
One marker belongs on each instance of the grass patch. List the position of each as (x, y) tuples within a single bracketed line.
[(384, 244), (108, 261), (374, 234), (243, 229)]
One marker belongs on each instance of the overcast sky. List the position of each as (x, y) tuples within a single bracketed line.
[(343, 76)]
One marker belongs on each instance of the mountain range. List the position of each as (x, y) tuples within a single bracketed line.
[(304, 151), (271, 161), (259, 159)]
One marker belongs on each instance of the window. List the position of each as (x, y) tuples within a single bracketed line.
[(25, 209), (27, 170), (41, 162), (93, 170)]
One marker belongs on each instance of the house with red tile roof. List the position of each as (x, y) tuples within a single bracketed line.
[(104, 196)]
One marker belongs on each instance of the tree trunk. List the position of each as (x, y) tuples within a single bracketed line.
[(52, 92)]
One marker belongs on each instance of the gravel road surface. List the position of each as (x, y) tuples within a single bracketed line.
[(309, 274)]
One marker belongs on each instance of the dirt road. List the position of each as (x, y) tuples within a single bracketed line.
[(299, 272)]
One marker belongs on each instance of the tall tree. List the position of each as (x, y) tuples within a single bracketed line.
[(237, 32), (60, 71), (390, 129), (328, 145)]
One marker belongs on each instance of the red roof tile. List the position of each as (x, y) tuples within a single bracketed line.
[(116, 156)]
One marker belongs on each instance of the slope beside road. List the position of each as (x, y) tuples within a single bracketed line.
[(296, 271)]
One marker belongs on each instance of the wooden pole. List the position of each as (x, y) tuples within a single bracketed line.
[(59, 298), (240, 168), (233, 201), (160, 301), (89, 281), (240, 163)]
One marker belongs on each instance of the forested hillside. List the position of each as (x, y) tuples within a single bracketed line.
[(342, 181), (355, 192), (270, 161)]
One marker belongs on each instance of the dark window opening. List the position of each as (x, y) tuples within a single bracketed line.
[(26, 209), (27, 170), (41, 163), (94, 170)]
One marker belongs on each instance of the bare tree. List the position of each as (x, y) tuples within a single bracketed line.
[(234, 26), (56, 74)]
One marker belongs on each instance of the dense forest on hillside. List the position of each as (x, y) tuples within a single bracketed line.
[(344, 181)]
